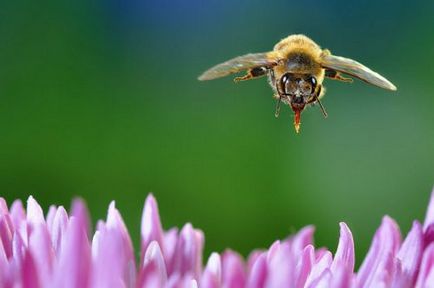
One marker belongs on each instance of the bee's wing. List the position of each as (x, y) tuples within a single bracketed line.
[(239, 64), (354, 68)]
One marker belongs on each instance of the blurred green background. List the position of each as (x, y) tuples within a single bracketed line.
[(99, 99)]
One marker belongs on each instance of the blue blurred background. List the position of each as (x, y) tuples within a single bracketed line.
[(99, 99)]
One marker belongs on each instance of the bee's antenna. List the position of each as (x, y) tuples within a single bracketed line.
[(324, 112), (278, 107)]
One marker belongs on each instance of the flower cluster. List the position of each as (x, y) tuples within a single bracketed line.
[(59, 251)]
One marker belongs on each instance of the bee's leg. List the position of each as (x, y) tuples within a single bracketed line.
[(278, 106), (317, 95), (336, 75), (279, 94), (324, 112), (252, 73), (272, 78)]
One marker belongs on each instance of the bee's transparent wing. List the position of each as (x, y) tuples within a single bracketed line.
[(239, 64), (354, 68)]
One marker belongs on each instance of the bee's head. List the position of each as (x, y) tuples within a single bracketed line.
[(300, 88)]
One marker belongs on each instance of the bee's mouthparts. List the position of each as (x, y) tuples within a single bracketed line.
[(297, 116), (298, 100), (297, 121)]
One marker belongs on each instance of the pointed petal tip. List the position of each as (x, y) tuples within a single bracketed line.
[(150, 210), (78, 206), (151, 228), (154, 255), (3, 206), (80, 213), (345, 232), (34, 211), (114, 218), (214, 267), (345, 255), (152, 251), (112, 205), (429, 217), (389, 222), (150, 199), (302, 238), (112, 211), (214, 263)]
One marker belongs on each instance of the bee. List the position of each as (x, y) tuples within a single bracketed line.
[(296, 69)]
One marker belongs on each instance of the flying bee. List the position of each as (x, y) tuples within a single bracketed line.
[(296, 69)]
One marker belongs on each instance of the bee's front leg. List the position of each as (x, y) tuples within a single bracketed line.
[(278, 94), (279, 100), (252, 73)]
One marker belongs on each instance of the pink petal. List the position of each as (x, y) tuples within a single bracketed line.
[(428, 234), (323, 281), (429, 282), (193, 284), (170, 242), (214, 266), (4, 267), (42, 251), (50, 216), (258, 274), (409, 257), (29, 273), (342, 276), (149, 276), (109, 249), (271, 253), (319, 267), (212, 274), (151, 229), (345, 252), (19, 248), (58, 228), (115, 222), (281, 267), (209, 281), (188, 254), (112, 244), (79, 211), (305, 265), (17, 213), (426, 273), (429, 217), (300, 240), (319, 252), (74, 257), (34, 212), (3, 206), (176, 281), (153, 254), (6, 232), (251, 259), (378, 266), (233, 272)]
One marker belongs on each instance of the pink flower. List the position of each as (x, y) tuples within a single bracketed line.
[(59, 251)]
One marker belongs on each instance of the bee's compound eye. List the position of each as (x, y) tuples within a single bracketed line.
[(313, 83), (284, 79)]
